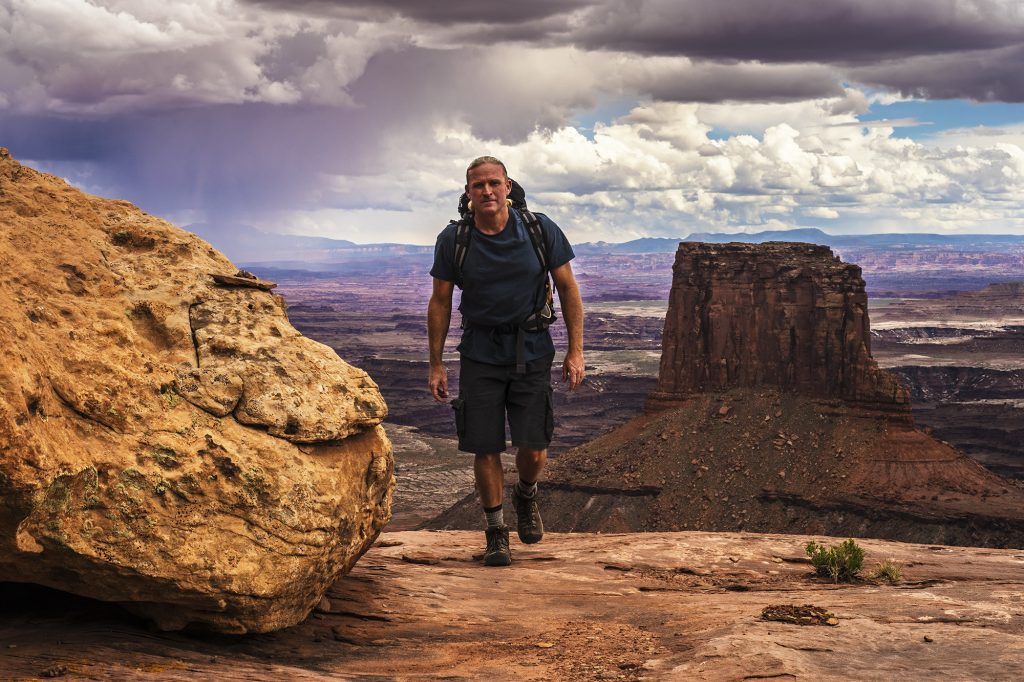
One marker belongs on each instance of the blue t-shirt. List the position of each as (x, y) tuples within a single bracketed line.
[(502, 284)]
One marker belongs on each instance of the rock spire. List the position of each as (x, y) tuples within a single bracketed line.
[(784, 315)]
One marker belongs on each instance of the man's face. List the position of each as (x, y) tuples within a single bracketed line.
[(487, 189)]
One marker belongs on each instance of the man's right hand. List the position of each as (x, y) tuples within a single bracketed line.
[(439, 316), (439, 382)]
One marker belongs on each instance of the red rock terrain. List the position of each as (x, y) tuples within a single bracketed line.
[(765, 461), (772, 416), (418, 605), (653, 606)]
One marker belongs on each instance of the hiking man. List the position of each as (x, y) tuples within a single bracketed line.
[(506, 350)]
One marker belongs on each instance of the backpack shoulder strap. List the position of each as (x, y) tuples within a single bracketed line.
[(463, 231), (537, 237), (544, 316)]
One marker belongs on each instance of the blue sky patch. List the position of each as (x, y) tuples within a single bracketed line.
[(936, 116)]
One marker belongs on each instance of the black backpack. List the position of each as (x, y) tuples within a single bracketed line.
[(544, 316)]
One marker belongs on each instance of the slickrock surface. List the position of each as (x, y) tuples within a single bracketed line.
[(787, 315), (659, 606), (167, 441)]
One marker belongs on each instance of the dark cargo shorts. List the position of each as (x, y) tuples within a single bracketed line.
[(488, 392)]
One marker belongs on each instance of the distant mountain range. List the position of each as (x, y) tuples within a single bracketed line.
[(245, 244), (970, 242)]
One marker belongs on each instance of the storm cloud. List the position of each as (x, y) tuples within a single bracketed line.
[(630, 116), (74, 56), (986, 76), (837, 31), (451, 11)]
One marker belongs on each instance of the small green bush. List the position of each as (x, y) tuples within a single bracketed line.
[(889, 571), (840, 562)]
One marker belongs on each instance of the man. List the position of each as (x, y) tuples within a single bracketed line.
[(502, 284)]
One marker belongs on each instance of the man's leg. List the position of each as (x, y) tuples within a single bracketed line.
[(530, 463), (482, 430), (490, 480), (531, 422)]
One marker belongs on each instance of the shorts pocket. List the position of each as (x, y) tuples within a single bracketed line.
[(459, 405)]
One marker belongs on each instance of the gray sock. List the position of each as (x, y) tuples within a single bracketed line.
[(525, 489), (494, 516)]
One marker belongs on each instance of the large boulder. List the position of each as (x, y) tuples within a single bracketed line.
[(169, 441)]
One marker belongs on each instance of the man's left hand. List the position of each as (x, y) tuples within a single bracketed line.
[(573, 370)]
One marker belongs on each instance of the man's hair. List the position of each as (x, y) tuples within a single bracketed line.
[(480, 161)]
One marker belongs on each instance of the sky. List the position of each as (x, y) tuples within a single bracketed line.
[(621, 118)]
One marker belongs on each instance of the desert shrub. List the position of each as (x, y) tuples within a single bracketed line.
[(840, 562), (889, 571)]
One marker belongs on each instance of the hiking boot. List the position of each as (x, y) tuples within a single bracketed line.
[(497, 553), (528, 521)]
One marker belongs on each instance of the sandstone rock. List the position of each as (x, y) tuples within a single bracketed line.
[(786, 315), (652, 606), (166, 441)]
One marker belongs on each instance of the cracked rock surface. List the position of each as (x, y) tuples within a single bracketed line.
[(582, 607), (166, 441)]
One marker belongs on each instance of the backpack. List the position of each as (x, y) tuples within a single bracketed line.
[(543, 317)]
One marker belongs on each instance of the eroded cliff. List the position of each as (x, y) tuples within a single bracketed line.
[(786, 315)]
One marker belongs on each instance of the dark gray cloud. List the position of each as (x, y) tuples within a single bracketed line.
[(450, 11), (886, 43), (240, 159), (292, 55), (498, 94), (713, 82), (996, 75), (836, 31)]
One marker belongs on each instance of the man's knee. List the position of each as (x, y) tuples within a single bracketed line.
[(488, 459), (534, 455)]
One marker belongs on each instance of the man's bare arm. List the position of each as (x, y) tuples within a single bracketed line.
[(573, 368), (439, 318)]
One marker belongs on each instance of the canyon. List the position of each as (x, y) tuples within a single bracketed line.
[(626, 296), (771, 415), (616, 606)]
